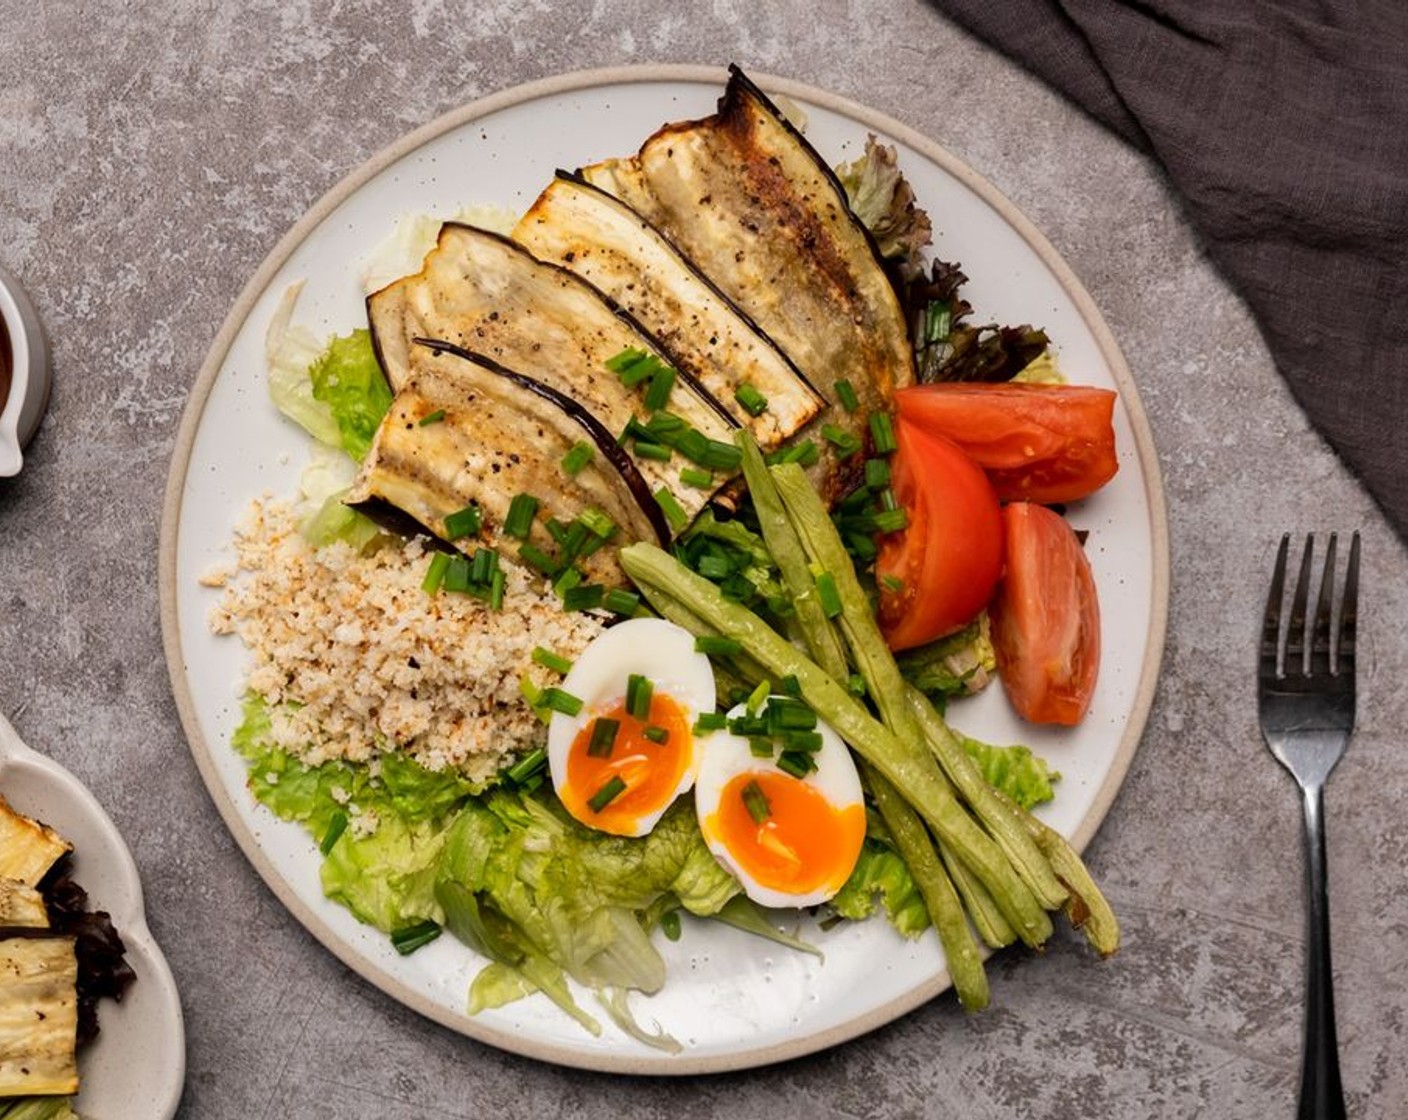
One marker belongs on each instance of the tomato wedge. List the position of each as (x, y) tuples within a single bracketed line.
[(939, 572), (1039, 443), (1046, 618)]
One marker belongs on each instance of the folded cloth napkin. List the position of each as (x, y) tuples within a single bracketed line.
[(1283, 124)]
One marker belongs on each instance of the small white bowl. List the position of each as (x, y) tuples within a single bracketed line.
[(22, 407)]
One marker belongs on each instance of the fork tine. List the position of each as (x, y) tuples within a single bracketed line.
[(1295, 633), (1349, 610), (1271, 623), (1320, 663)]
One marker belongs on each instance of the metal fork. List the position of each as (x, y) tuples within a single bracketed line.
[(1306, 703)]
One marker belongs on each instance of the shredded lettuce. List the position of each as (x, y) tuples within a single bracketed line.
[(347, 378), (289, 352), (1023, 776), (884, 201), (881, 875)]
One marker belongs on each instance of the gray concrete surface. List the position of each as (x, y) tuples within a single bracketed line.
[(151, 155)]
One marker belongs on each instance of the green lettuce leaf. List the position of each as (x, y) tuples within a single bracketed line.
[(880, 874), (960, 664), (348, 379), (883, 200), (1023, 776)]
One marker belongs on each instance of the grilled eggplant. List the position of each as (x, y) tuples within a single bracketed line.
[(756, 209), (465, 430), (38, 1016), (600, 238), (22, 905), (27, 848)]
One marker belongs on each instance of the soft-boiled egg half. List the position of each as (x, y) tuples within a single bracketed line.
[(790, 840), (620, 762)]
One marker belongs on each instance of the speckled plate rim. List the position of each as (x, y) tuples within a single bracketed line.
[(135, 1069), (567, 83)]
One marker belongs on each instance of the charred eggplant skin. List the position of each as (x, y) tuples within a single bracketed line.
[(604, 440)]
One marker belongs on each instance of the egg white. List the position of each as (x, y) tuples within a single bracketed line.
[(723, 755), (653, 648)]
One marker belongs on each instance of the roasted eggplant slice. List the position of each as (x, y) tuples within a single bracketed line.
[(38, 1016), (27, 848), (22, 905), (465, 430), (597, 236), (756, 209)]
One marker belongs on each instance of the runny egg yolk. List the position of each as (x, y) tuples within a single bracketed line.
[(613, 788), (785, 834)]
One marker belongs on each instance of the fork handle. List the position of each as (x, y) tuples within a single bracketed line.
[(1321, 1094)]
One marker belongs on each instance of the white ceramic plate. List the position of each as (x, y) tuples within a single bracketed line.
[(135, 1068), (731, 1001)]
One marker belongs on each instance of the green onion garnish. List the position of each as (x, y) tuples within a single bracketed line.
[(804, 453), (846, 394), (670, 925), (877, 474), (753, 402), (550, 660), (855, 684), (521, 511), (758, 697), (827, 594), (482, 566), (656, 734), (566, 581), (435, 573), (890, 520), (620, 601), (845, 442), (760, 746), (697, 477), (583, 597), (656, 451), (531, 692), (720, 456), (938, 321), (797, 763), (408, 939), (639, 692), (790, 685), (674, 512), (800, 740), (657, 396), (882, 433), (606, 794), (496, 590), (787, 714), (577, 457), (463, 522), (714, 566), (535, 557), (603, 738), (530, 764), (705, 722), (596, 522), (560, 700), (887, 498), (716, 645), (432, 417), (892, 583), (457, 574), (337, 825), (756, 802)]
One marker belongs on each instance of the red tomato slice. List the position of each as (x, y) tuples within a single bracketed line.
[(1045, 618), (1039, 443), (940, 571)]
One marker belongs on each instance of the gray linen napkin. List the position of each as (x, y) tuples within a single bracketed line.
[(1283, 124)]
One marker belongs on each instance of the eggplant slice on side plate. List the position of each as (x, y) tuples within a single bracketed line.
[(754, 208)]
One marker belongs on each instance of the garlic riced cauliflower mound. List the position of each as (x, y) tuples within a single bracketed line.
[(353, 656)]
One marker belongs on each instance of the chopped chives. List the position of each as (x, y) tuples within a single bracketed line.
[(603, 739), (892, 583), (566, 581), (656, 734), (714, 566), (435, 573), (620, 601), (888, 501), (606, 794), (463, 522), (790, 685), (530, 692), (716, 645), (550, 660), (758, 697), (752, 401), (760, 746), (705, 722), (560, 700), (846, 394), (583, 597), (521, 511), (674, 512), (577, 457), (482, 566), (846, 443), (657, 396), (627, 357), (697, 477), (890, 520), (877, 474), (596, 522), (657, 451), (747, 725), (801, 740), (882, 433), (855, 685), (938, 321), (670, 925), (827, 594), (797, 763), (790, 715), (496, 590), (431, 417), (532, 783), (861, 546), (718, 455), (639, 692), (756, 802), (804, 453), (337, 825), (408, 939), (457, 574), (535, 557), (530, 764)]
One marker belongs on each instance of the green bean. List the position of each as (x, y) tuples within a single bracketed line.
[(787, 552), (912, 770), (987, 919), (916, 848), (998, 817)]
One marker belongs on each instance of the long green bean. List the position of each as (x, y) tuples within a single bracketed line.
[(965, 960), (912, 770), (987, 919)]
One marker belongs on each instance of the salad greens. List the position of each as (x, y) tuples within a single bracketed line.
[(347, 378)]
